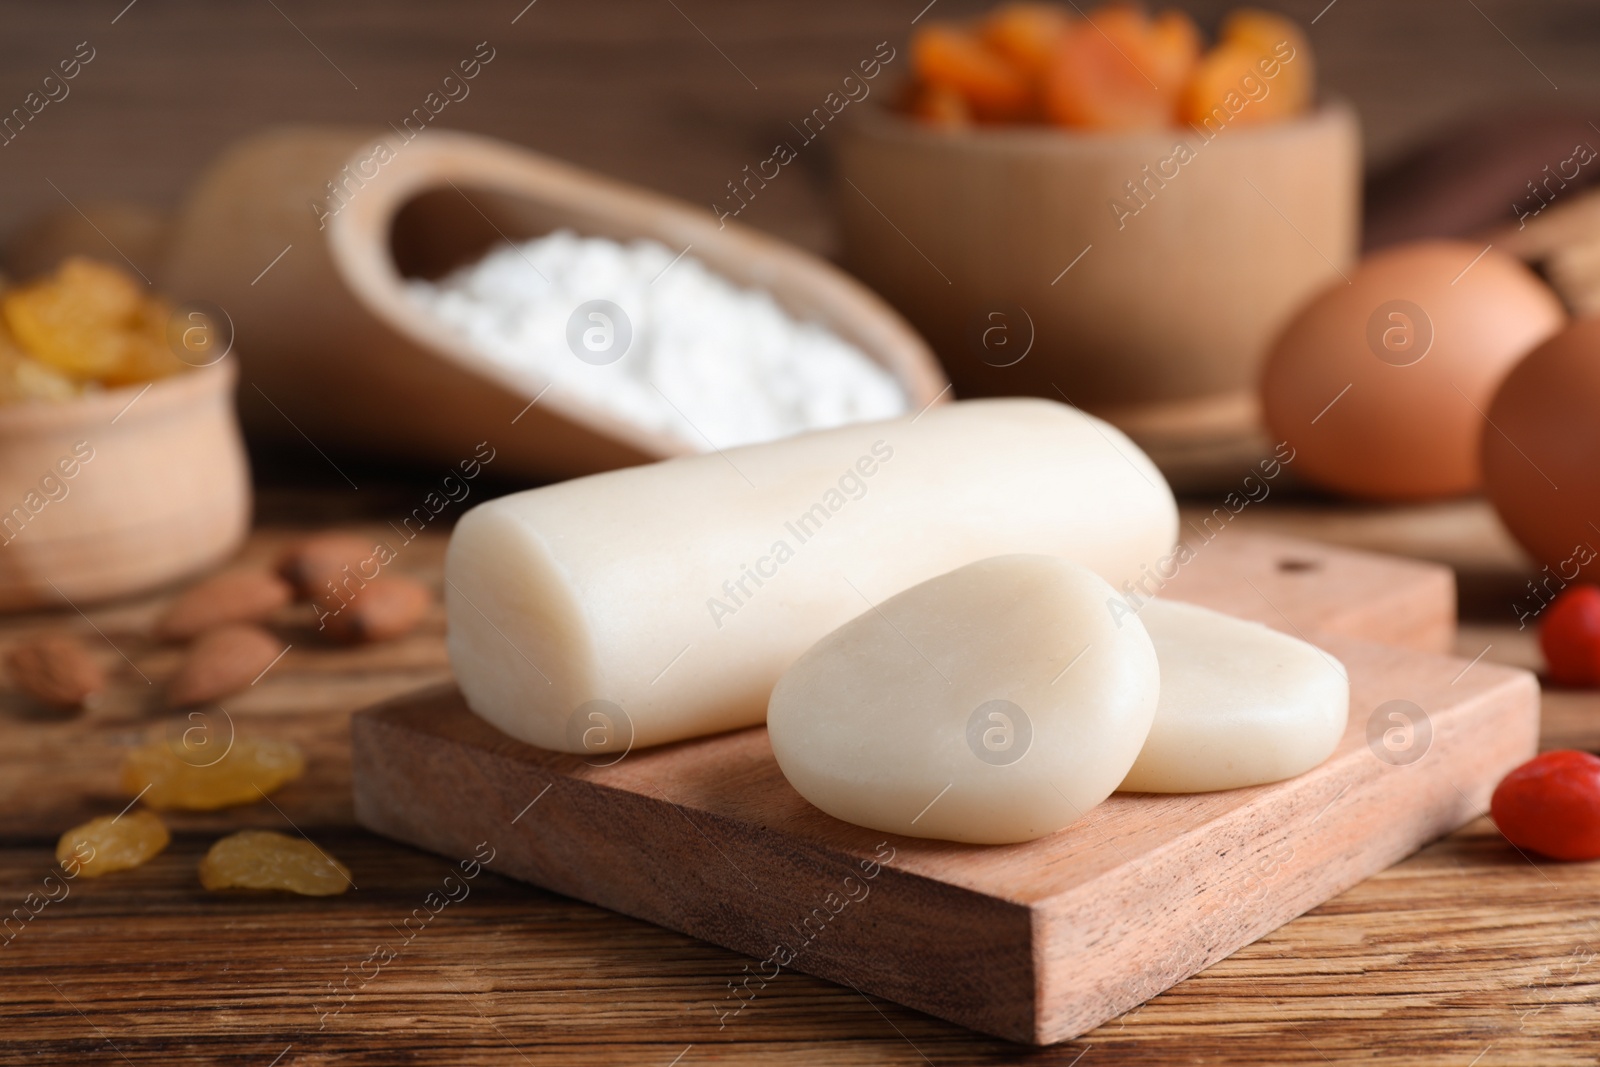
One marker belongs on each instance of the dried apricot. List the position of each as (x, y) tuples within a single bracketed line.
[(111, 843), (265, 859), (1551, 805), (1269, 34), (1104, 74), (1174, 43), (188, 773), (939, 105), (948, 56), (1262, 71), (1026, 34), (936, 105)]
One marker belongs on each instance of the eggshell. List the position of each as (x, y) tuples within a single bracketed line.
[(1541, 456), (1380, 385)]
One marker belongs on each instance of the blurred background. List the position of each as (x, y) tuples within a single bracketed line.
[(677, 95)]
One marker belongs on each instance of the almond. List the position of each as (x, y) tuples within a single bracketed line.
[(221, 662), (244, 595), (310, 564), (55, 670), (381, 610)]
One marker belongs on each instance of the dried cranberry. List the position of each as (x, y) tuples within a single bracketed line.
[(1570, 637), (1551, 805)]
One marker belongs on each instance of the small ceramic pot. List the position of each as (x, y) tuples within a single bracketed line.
[(120, 491)]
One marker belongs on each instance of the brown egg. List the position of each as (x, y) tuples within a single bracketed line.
[(1380, 386), (1541, 456)]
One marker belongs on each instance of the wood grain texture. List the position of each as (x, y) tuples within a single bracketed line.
[(1036, 942), (1303, 587), (1464, 950)]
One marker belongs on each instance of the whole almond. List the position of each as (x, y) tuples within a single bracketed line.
[(55, 670), (221, 662), (310, 564), (244, 595), (381, 610)]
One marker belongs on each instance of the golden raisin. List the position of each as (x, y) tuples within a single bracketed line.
[(89, 322), (188, 773), (265, 859), (23, 378), (111, 843), (146, 353), (32, 380), (75, 319)]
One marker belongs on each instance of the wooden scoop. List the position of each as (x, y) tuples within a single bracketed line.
[(304, 237)]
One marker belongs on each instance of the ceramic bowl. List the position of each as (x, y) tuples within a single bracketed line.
[(120, 491)]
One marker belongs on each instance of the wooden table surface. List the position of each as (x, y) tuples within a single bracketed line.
[(1467, 953)]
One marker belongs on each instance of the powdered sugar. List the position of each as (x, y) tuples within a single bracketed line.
[(683, 350)]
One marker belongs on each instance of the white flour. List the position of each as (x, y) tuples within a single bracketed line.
[(707, 361)]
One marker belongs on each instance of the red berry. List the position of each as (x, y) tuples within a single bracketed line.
[(1570, 637), (1551, 805)]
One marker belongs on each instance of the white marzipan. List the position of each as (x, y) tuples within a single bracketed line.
[(680, 591), (993, 704), (1241, 704)]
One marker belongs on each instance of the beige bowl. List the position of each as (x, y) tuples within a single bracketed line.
[(120, 491), (1005, 247)]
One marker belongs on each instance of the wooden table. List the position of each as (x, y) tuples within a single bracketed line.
[(1467, 953)]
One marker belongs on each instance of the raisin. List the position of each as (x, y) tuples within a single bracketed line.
[(91, 322), (265, 859), (73, 320), (111, 843), (179, 774)]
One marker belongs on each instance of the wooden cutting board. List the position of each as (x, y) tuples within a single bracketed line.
[(1037, 942)]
